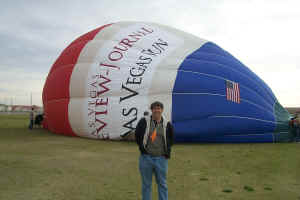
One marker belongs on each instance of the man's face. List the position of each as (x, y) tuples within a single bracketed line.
[(157, 111)]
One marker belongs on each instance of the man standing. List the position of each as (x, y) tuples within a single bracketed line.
[(31, 117), (154, 136)]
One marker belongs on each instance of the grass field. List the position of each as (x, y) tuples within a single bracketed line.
[(39, 165)]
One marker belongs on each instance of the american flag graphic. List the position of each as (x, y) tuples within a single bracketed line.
[(232, 91)]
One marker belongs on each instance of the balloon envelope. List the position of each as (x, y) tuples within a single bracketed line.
[(105, 80)]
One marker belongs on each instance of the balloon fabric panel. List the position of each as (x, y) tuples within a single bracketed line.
[(104, 80)]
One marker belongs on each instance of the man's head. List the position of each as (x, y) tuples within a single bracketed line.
[(157, 109)]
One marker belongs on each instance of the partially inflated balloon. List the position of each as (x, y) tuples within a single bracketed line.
[(103, 82)]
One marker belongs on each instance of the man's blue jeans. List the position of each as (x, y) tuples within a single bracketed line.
[(159, 166)]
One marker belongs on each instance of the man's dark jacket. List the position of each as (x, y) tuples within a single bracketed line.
[(141, 130)]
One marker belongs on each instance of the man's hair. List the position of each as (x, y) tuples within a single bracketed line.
[(156, 103)]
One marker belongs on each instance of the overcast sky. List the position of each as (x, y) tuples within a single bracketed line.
[(264, 35)]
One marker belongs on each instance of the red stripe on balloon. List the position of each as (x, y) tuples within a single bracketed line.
[(57, 86), (57, 117), (56, 94)]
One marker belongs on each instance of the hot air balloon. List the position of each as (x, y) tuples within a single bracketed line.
[(103, 82)]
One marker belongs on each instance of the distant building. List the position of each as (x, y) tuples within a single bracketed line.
[(3, 108), (294, 110), (20, 108)]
